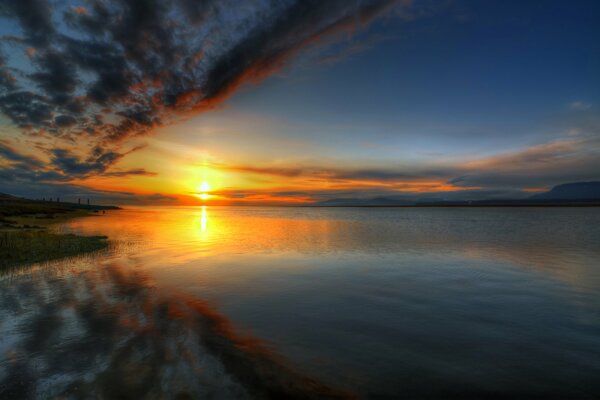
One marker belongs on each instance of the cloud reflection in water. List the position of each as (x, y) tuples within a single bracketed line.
[(107, 333)]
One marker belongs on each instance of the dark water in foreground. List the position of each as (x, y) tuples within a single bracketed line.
[(312, 303)]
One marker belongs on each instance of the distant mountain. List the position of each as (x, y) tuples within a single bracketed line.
[(571, 191), (579, 193)]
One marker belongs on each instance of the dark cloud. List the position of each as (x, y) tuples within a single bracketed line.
[(98, 162), (56, 75), (113, 69), (27, 109), (64, 166), (64, 121), (35, 18), (130, 172)]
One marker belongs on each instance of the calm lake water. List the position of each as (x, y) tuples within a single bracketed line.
[(232, 302)]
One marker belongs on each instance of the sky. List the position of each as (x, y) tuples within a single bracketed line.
[(296, 101)]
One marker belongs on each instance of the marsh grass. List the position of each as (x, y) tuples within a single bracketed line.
[(21, 247), (26, 237)]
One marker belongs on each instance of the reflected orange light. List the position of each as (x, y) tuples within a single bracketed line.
[(203, 219)]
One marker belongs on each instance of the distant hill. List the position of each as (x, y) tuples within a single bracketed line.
[(568, 194), (571, 191)]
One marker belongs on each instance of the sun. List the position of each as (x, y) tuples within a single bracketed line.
[(203, 189)]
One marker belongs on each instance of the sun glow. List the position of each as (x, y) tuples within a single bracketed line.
[(203, 189)]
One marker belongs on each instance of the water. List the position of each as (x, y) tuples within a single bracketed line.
[(321, 302)]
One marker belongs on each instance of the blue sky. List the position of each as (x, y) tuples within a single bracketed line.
[(469, 77)]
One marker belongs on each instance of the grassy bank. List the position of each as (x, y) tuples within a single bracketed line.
[(21, 247), (25, 237)]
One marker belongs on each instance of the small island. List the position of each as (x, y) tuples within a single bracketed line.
[(26, 237)]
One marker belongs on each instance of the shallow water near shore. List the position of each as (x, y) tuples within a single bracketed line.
[(235, 302)]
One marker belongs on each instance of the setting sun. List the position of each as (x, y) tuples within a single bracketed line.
[(204, 187)]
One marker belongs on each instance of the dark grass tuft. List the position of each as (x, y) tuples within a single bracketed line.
[(21, 247)]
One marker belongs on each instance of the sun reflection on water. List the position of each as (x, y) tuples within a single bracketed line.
[(201, 224), (203, 219)]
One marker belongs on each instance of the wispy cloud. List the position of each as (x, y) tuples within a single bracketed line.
[(545, 165), (510, 174), (580, 105)]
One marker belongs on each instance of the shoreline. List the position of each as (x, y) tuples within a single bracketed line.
[(26, 237)]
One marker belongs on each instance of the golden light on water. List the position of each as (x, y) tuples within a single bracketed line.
[(203, 219)]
